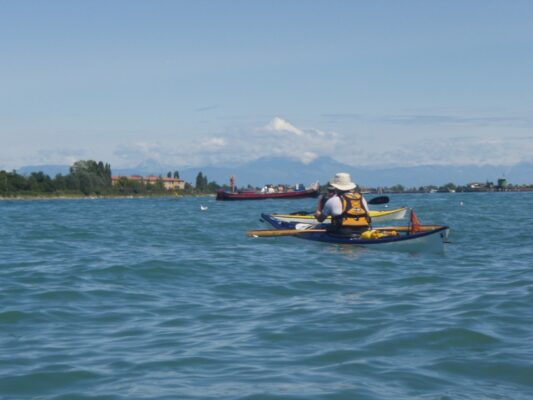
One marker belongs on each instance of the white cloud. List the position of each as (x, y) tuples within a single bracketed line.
[(372, 147), (214, 143), (304, 144), (59, 156), (326, 134), (280, 125), (237, 145), (308, 157), (448, 151), (133, 153), (201, 152)]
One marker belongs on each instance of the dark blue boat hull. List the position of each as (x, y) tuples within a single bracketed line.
[(439, 235)]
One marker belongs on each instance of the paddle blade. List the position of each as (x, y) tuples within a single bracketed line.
[(281, 232), (414, 223), (379, 200)]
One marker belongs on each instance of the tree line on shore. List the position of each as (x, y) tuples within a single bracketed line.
[(91, 178)]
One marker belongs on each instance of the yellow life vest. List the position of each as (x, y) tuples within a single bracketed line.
[(353, 212)]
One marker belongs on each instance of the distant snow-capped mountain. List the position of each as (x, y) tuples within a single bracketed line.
[(283, 170)]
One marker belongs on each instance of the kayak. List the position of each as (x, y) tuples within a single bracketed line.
[(376, 215), (397, 237), (312, 191)]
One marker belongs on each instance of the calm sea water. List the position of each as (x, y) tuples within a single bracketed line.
[(156, 299)]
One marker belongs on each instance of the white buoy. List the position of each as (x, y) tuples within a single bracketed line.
[(461, 203), (203, 208)]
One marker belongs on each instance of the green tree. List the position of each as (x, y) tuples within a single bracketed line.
[(397, 188), (16, 183), (108, 170), (212, 187), (200, 182), (3, 182), (126, 186), (60, 183), (86, 183), (188, 189), (40, 183), (89, 176), (176, 174)]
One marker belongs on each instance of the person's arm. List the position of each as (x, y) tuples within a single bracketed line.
[(332, 207), (323, 209), (364, 204), (321, 201), (320, 216)]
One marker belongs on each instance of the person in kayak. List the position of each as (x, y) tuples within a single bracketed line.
[(324, 197), (348, 208)]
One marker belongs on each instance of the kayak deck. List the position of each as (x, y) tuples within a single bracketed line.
[(376, 215)]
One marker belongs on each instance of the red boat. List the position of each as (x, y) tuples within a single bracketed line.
[(311, 191)]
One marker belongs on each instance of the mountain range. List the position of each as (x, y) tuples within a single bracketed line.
[(276, 170)]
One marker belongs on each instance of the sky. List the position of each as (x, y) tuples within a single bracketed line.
[(195, 83)]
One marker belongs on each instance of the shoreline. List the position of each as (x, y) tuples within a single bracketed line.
[(62, 197), (177, 196)]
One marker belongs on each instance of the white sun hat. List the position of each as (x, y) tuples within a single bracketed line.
[(342, 181)]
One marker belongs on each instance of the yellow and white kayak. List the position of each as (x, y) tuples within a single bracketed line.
[(376, 215)]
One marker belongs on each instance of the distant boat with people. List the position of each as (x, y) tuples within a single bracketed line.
[(269, 192)]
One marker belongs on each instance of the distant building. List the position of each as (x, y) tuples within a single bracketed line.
[(481, 187), (168, 183)]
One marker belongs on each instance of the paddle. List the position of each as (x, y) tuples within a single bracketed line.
[(281, 232), (374, 201), (379, 200)]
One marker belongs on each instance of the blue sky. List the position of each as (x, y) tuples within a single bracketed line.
[(222, 82)]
